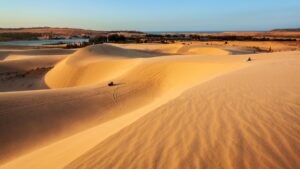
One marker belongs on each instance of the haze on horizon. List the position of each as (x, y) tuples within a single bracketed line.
[(152, 15)]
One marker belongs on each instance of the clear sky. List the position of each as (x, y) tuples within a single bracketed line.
[(152, 15)]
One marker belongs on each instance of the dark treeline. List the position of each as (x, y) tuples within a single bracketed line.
[(167, 38), (146, 38), (170, 38), (287, 30), (114, 38), (111, 38), (117, 38), (237, 38), (77, 45), (214, 38), (19, 36)]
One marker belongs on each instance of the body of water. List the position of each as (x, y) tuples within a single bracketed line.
[(42, 42)]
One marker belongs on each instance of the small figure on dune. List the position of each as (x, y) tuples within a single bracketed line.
[(249, 59), (111, 84)]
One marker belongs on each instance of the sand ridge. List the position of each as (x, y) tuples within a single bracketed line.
[(94, 103), (103, 63), (184, 48), (26, 72), (81, 121), (246, 119)]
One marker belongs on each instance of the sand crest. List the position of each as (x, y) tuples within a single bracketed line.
[(183, 107)]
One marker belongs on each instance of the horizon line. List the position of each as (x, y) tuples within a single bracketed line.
[(147, 31)]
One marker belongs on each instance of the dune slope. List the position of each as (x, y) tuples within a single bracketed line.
[(92, 65), (246, 119), (177, 48), (83, 123), (26, 72), (42, 117)]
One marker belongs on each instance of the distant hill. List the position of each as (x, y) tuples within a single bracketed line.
[(287, 30), (53, 33), (63, 31), (48, 30)]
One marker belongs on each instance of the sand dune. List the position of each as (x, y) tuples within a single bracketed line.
[(156, 48), (189, 48), (259, 46), (10, 54), (149, 119), (103, 63), (204, 51), (93, 64), (26, 73), (214, 48), (246, 119), (94, 105)]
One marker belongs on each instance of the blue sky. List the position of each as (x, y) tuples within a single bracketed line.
[(153, 15)]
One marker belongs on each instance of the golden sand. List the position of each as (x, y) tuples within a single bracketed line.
[(196, 107)]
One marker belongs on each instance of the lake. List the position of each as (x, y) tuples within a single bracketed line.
[(42, 42)]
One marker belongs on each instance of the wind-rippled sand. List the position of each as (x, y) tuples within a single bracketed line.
[(175, 111), (247, 119)]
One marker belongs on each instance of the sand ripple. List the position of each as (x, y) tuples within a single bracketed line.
[(248, 119)]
